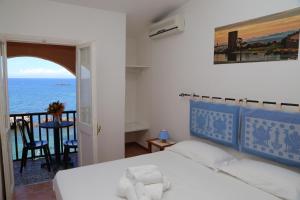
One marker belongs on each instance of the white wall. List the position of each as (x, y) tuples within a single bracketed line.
[(106, 30), (131, 51), (131, 96), (184, 63)]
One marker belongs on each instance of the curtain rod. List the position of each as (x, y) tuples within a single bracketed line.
[(245, 100)]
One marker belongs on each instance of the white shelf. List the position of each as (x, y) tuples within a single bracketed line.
[(138, 66), (135, 126)]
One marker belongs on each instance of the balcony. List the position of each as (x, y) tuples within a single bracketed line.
[(33, 172)]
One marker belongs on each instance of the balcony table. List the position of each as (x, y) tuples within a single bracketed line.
[(56, 127)]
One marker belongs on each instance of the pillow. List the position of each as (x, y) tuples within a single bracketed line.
[(269, 178), (203, 153)]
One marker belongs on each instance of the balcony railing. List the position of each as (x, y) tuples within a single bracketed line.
[(34, 120)]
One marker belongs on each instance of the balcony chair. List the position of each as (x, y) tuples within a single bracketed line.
[(67, 146), (30, 144)]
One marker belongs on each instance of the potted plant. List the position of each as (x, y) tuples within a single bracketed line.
[(56, 109)]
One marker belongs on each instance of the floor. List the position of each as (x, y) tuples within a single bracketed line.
[(134, 149), (44, 190), (41, 191), (33, 173)]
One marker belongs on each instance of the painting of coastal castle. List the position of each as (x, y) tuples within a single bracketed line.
[(271, 38)]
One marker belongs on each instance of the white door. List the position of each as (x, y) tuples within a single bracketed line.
[(86, 107), (5, 125)]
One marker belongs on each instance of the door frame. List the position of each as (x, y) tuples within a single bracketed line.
[(7, 157), (95, 121), (94, 114)]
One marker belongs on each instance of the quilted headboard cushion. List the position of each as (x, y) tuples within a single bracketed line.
[(216, 122), (270, 134)]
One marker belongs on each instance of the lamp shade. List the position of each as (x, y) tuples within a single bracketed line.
[(164, 135)]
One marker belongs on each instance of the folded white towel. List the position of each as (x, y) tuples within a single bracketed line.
[(123, 186), (147, 174), (131, 193), (166, 184), (126, 189), (141, 192), (143, 183), (155, 191)]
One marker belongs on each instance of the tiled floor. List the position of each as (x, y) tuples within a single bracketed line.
[(133, 149), (33, 173), (43, 191)]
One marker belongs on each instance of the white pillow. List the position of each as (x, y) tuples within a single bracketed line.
[(203, 153), (269, 178)]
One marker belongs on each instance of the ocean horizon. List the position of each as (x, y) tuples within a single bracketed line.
[(28, 95)]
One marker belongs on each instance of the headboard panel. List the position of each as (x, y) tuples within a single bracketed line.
[(270, 134), (217, 122)]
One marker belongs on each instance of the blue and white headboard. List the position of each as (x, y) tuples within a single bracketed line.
[(216, 122), (269, 134), (273, 135)]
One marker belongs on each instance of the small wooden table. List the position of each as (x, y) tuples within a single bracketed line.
[(158, 143)]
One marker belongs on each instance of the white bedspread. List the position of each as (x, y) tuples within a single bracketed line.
[(190, 180)]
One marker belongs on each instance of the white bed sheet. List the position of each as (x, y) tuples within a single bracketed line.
[(190, 180)]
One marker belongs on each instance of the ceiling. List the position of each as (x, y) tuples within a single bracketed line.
[(140, 13)]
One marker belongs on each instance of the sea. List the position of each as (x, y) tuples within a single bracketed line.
[(34, 95)]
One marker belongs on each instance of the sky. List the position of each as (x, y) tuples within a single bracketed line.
[(30, 67), (259, 27)]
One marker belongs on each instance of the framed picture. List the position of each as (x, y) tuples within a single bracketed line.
[(270, 38)]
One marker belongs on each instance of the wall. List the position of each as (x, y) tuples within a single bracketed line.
[(131, 51), (184, 63), (62, 23), (131, 95)]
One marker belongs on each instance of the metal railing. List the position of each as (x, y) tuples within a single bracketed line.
[(34, 119)]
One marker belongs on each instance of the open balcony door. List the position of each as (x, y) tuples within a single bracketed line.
[(87, 126), (6, 166)]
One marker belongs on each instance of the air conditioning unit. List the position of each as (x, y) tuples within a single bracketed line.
[(168, 26)]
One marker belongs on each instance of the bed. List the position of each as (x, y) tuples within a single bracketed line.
[(263, 134), (190, 180)]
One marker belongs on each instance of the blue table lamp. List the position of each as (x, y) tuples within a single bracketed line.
[(164, 135)]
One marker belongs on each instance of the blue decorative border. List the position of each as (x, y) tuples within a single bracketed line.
[(213, 118)]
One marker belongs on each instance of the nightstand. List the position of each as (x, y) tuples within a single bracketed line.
[(157, 142)]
